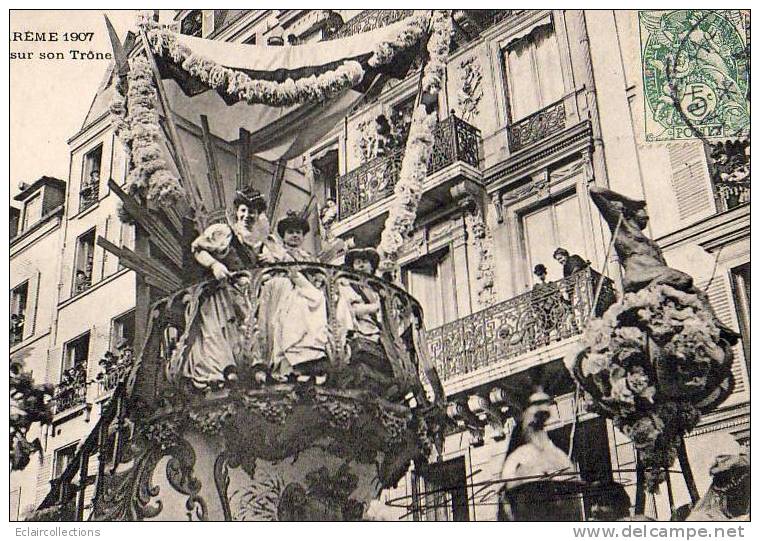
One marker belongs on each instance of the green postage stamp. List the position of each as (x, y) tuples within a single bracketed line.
[(695, 66)]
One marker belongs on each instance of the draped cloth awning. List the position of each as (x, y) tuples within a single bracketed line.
[(278, 132)]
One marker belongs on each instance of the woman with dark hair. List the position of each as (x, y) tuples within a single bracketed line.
[(293, 310), (210, 350)]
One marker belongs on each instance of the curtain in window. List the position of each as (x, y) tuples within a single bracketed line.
[(549, 68), (524, 97)]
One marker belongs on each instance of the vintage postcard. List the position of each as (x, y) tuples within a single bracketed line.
[(380, 265)]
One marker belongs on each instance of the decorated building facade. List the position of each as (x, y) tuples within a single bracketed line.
[(532, 111)]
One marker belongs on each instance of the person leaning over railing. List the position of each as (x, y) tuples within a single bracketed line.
[(213, 336)]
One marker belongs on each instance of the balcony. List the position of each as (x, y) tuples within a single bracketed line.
[(522, 324), (730, 173), (537, 126), (72, 391), (374, 180), (370, 19), (114, 369), (16, 329), (88, 196)]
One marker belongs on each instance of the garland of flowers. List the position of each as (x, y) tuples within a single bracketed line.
[(291, 92), (647, 362), (136, 122), (419, 145)]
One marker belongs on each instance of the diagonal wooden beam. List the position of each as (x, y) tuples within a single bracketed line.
[(154, 272), (214, 177), (161, 236), (274, 192), (119, 54)]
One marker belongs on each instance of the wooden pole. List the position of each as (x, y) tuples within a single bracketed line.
[(688, 476), (641, 493)]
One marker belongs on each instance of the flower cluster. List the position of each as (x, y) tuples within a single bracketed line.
[(648, 362), (419, 145), (135, 120)]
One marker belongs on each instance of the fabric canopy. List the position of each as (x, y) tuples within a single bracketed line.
[(278, 132)]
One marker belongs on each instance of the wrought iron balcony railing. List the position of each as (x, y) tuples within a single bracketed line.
[(114, 368), (516, 326), (88, 196), (370, 19), (537, 126), (72, 391), (261, 311), (374, 180)]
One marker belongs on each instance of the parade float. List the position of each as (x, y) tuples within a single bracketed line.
[(245, 444)]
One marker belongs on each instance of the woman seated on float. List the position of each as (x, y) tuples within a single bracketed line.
[(293, 309), (362, 303), (212, 346)]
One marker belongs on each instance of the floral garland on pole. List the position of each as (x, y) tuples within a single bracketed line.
[(136, 122), (419, 145)]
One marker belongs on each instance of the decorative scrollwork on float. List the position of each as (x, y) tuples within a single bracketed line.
[(179, 473)]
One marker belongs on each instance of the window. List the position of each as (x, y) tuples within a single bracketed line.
[(431, 281), (192, 24), (556, 224), (325, 167), (84, 258), (32, 211), (441, 492), (90, 187), (19, 299), (62, 458), (77, 352), (123, 328), (534, 73)]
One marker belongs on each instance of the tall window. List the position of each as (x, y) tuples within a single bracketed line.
[(556, 224), (430, 280), (77, 352), (90, 189), (325, 167), (19, 298), (84, 259), (32, 211), (62, 458), (123, 329), (534, 74), (441, 492)]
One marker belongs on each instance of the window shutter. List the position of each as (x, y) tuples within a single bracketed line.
[(33, 296), (15, 501), (691, 180), (55, 359), (722, 303)]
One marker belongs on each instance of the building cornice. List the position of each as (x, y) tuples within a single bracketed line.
[(712, 232)]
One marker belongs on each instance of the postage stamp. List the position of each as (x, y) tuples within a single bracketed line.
[(695, 67)]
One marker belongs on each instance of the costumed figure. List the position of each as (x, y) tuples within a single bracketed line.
[(659, 357), (332, 246), (211, 349), (293, 310), (541, 483), (728, 497), (363, 330)]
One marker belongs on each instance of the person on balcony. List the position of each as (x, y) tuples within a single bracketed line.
[(293, 308), (547, 304), (364, 334), (570, 263), (211, 348)]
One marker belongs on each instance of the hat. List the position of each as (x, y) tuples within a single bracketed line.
[(367, 254), (562, 251), (292, 221), (539, 269), (250, 197)]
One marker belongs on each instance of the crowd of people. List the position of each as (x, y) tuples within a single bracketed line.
[(291, 310)]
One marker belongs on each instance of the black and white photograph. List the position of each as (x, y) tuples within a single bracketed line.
[(380, 265)]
